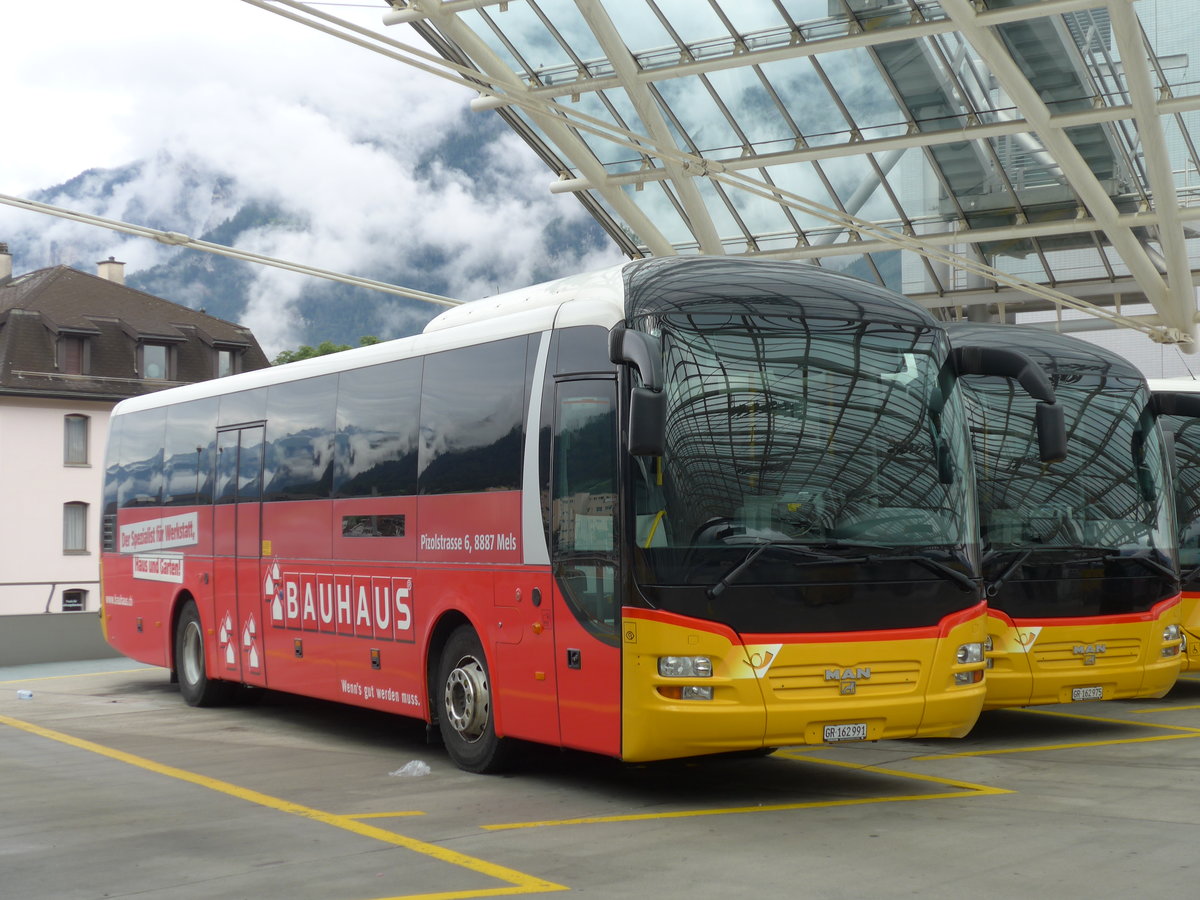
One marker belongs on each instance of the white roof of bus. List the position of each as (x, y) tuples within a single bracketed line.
[(1179, 385), (593, 298)]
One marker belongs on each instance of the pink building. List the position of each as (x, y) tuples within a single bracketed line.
[(71, 346)]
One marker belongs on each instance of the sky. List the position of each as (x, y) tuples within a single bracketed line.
[(340, 136)]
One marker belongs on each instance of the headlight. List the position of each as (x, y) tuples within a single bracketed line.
[(685, 667), (1171, 634), (969, 653)]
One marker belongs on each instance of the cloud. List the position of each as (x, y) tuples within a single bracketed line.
[(376, 166)]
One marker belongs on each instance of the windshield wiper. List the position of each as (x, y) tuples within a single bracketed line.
[(1142, 556), (993, 586), (718, 588), (966, 582)]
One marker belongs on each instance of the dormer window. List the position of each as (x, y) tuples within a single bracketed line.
[(156, 361), (228, 362), (73, 355)]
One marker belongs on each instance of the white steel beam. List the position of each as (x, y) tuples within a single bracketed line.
[(699, 219), (1127, 30), (1010, 77)]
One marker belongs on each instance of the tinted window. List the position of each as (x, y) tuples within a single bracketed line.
[(472, 410), (376, 441), (299, 452), (191, 446), (583, 348), (239, 465), (112, 465), (244, 406), (140, 460)]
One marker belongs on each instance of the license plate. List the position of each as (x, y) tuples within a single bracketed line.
[(854, 732), (1088, 693)]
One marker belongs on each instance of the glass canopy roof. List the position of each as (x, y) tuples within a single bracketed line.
[(986, 157)]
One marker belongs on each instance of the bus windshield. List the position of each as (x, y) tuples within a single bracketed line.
[(787, 432), (1108, 494)]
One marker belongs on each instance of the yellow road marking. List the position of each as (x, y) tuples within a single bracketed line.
[(385, 815), (1108, 720), (1186, 732), (1077, 746), (966, 789), (519, 881), (1158, 709), (81, 675)]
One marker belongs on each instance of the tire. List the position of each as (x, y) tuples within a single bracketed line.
[(464, 705), (194, 684)]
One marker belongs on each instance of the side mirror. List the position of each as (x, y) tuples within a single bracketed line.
[(648, 403), (647, 422), (1051, 432), (637, 349), (1005, 363)]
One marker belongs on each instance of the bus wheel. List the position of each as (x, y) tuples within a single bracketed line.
[(194, 684), (464, 702)]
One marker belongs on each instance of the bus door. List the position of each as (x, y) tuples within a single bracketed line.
[(584, 534), (237, 548)]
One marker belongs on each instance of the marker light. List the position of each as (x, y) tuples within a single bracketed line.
[(685, 667), (987, 648)]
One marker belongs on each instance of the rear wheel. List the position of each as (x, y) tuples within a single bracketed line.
[(194, 684), (464, 703)]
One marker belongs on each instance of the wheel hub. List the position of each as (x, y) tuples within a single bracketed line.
[(468, 700)]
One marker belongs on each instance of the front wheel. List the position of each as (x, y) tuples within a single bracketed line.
[(194, 684), (464, 704)]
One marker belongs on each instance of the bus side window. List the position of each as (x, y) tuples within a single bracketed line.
[(584, 500)]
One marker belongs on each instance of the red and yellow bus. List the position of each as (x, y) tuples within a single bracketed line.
[(1179, 402), (683, 506), (1079, 556)]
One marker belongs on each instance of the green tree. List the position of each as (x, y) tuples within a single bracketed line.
[(304, 351)]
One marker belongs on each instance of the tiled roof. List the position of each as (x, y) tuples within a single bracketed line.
[(39, 307)]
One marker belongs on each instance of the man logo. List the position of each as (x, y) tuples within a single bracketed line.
[(1089, 652), (862, 673), (849, 678)]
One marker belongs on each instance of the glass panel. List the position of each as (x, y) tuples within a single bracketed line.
[(75, 438), (299, 455), (190, 453), (140, 478), (472, 418), (584, 507), (154, 361), (75, 527), (376, 441)]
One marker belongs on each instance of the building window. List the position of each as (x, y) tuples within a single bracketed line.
[(75, 527), (227, 362), (75, 440), (156, 361), (74, 600), (73, 354)]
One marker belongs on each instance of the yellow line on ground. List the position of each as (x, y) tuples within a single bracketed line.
[(1158, 709), (1077, 746), (383, 815), (1108, 720), (81, 675), (967, 790), (521, 883)]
